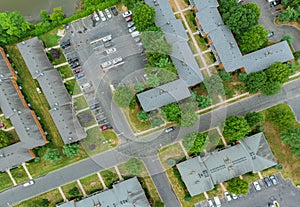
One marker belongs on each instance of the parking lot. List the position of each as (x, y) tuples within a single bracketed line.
[(285, 193), (107, 55)]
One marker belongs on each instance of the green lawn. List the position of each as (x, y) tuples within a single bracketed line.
[(5, 181), (7, 123), (201, 43), (86, 118), (19, 174), (72, 87), (208, 58), (50, 38), (57, 61), (199, 61), (190, 20), (53, 196), (68, 187), (37, 101), (65, 71), (91, 184), (171, 152), (94, 142), (136, 124), (11, 136), (79, 103), (109, 176)]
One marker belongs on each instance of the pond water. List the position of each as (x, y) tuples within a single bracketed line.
[(30, 9)]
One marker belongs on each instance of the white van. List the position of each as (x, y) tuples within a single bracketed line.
[(210, 203), (135, 34), (85, 85), (217, 201), (29, 183)]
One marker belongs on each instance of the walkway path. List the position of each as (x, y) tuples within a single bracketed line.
[(11, 177), (54, 47), (89, 127), (101, 180), (81, 110), (67, 79), (118, 172), (8, 129), (81, 188), (62, 64), (26, 170), (62, 194)]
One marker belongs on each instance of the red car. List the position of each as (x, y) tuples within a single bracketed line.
[(104, 127), (128, 19), (77, 70)]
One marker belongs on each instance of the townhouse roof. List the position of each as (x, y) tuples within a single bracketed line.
[(162, 95), (252, 154), (128, 193)]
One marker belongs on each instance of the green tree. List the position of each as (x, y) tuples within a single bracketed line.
[(134, 167), (214, 85), (254, 118), (144, 16), (235, 128), (242, 77), (74, 192), (194, 142), (288, 38), (253, 39), (292, 137), (289, 14), (226, 5), (255, 81), (129, 3), (203, 101), (154, 57), (237, 186), (156, 121), (172, 112), (71, 150), (281, 116), (153, 80), (123, 96), (40, 203), (241, 18), (188, 114), (52, 155), (142, 115), (271, 88), (278, 72), (224, 75), (154, 42), (44, 15), (57, 15), (297, 55), (4, 139), (12, 27), (139, 87)]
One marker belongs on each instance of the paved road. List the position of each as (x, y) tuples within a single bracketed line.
[(147, 147), (267, 16)]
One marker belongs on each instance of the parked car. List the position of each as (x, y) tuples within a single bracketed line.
[(273, 179), (106, 64), (128, 19), (127, 14), (130, 24), (267, 182), (103, 18), (210, 203), (94, 106), (117, 60), (132, 29), (256, 186), (107, 44), (271, 34), (65, 44), (111, 50), (167, 130), (96, 17), (217, 201), (74, 64), (108, 14), (227, 196), (77, 70), (107, 38), (71, 60), (79, 75), (104, 127), (114, 10), (85, 85), (234, 197), (29, 183), (137, 39)]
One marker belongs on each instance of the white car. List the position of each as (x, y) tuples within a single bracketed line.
[(107, 38), (210, 203), (130, 24), (227, 196), (29, 183), (106, 64), (117, 60), (256, 186), (103, 18), (108, 14), (96, 17), (132, 29), (234, 197), (127, 14), (111, 50)]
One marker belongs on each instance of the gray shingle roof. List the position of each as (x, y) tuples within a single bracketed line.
[(227, 50), (162, 95), (200, 174), (128, 193), (52, 85), (21, 118)]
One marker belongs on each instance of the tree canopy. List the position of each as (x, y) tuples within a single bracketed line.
[(52, 155), (12, 26), (255, 81), (281, 116), (129, 3), (271, 88), (144, 16), (123, 96), (71, 150), (236, 128), (142, 115), (172, 112), (253, 39), (188, 114), (134, 166), (240, 18), (139, 87), (214, 85), (292, 137), (278, 72), (194, 142), (237, 186), (154, 42), (57, 15), (254, 118), (4, 139)]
